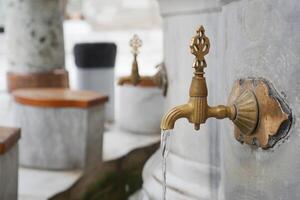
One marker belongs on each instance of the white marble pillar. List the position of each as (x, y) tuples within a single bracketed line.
[(35, 42), (261, 39), (193, 163)]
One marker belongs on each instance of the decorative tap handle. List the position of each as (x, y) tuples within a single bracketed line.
[(135, 43), (200, 47)]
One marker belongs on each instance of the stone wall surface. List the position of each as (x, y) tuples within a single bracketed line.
[(261, 39), (249, 38), (121, 14)]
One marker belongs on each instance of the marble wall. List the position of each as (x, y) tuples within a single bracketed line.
[(261, 39), (249, 38)]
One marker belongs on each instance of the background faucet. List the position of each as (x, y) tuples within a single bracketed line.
[(159, 79)]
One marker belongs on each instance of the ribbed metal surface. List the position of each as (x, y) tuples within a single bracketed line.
[(247, 112)]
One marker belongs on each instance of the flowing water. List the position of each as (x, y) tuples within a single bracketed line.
[(165, 146)]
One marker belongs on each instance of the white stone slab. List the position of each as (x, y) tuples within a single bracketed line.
[(118, 143), (41, 184)]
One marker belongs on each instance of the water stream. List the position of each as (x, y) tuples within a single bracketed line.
[(165, 146)]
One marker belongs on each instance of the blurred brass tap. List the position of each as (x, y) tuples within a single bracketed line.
[(159, 79), (134, 77)]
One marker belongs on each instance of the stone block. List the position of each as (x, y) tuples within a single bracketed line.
[(62, 129)]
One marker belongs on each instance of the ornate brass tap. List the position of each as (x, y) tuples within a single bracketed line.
[(260, 117), (135, 77), (159, 79), (197, 110)]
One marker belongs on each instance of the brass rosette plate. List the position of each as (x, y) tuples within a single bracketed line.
[(274, 115)]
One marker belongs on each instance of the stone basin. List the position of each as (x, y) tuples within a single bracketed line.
[(140, 108)]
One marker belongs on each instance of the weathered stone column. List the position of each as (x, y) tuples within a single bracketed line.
[(261, 39), (35, 44), (193, 162)]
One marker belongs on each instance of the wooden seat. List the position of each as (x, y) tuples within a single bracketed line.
[(58, 97), (8, 138)]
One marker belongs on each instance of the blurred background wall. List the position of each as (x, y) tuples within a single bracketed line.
[(1, 14), (117, 14)]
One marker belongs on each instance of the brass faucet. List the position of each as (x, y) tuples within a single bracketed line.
[(159, 79), (134, 78), (243, 112)]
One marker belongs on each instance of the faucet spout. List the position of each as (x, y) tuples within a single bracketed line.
[(182, 111)]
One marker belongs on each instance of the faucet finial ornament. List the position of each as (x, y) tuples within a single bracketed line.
[(199, 48), (135, 43)]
